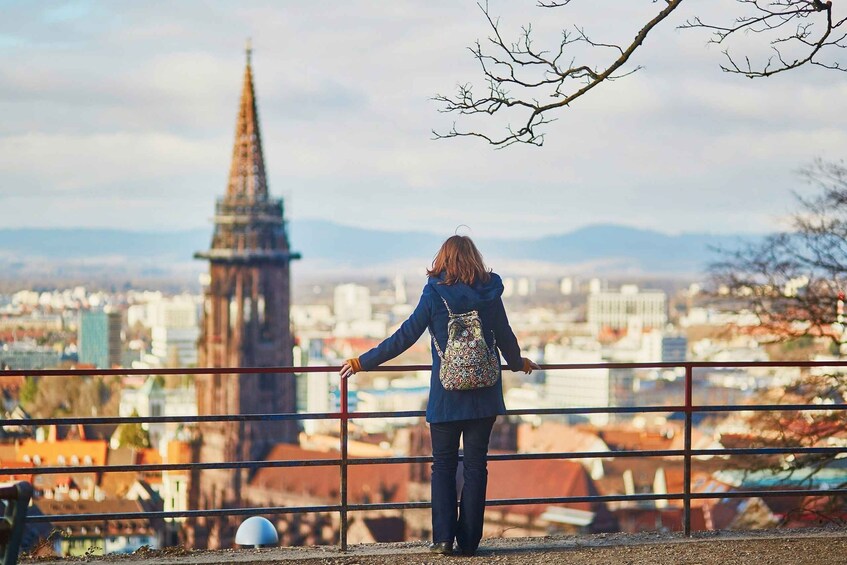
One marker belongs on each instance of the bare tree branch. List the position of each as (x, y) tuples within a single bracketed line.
[(529, 84), (794, 281), (786, 25), (520, 65)]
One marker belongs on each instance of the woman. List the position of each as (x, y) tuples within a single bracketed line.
[(460, 281)]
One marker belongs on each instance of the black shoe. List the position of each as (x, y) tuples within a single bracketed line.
[(441, 547)]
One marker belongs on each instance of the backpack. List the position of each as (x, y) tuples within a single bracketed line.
[(468, 362)]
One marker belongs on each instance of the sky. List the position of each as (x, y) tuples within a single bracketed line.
[(122, 113)]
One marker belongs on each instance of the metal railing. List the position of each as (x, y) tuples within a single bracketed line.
[(688, 408)]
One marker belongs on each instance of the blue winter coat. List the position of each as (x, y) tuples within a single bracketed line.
[(443, 405)]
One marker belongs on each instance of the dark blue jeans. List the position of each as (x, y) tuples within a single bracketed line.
[(467, 529)]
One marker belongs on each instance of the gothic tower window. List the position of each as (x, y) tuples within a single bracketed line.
[(260, 309), (248, 309)]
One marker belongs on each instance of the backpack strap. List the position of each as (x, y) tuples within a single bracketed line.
[(435, 341), (437, 348), (450, 312)]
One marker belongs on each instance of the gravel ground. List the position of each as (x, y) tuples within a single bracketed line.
[(779, 547)]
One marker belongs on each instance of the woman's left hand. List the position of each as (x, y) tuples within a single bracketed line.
[(349, 368)]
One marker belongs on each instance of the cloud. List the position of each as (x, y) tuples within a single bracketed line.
[(108, 105), (85, 166)]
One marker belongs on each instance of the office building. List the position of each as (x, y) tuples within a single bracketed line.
[(627, 307), (99, 338)]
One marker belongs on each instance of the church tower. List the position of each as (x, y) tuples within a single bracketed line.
[(245, 324)]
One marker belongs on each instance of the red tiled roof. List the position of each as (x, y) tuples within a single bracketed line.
[(148, 456), (8, 452), (49, 452), (537, 478), (643, 471), (82, 481), (126, 526), (12, 383), (179, 452), (17, 464), (621, 439), (546, 478), (551, 437), (372, 483), (117, 484)]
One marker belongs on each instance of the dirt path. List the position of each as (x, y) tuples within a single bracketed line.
[(775, 547)]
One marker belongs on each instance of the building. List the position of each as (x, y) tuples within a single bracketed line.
[(353, 308), (174, 330), (33, 321), (400, 295), (175, 347), (352, 302), (316, 392), (396, 395), (175, 487), (595, 286), (627, 307), (245, 324), (578, 388), (508, 287), (543, 478), (28, 355), (636, 346), (154, 399), (586, 387), (566, 286), (674, 349), (99, 336), (98, 537), (525, 286), (70, 452)]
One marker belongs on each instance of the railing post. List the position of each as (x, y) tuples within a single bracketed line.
[(343, 512), (686, 500)]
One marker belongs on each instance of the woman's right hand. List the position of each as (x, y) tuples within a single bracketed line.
[(529, 365)]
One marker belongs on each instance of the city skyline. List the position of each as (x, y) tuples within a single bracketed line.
[(121, 117), (154, 401)]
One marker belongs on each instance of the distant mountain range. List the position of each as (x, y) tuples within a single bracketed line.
[(329, 246)]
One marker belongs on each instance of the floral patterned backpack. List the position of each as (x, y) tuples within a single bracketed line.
[(467, 363)]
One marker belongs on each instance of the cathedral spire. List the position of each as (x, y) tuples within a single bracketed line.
[(247, 180), (249, 224), (246, 323)]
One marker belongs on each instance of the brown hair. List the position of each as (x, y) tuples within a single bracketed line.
[(460, 261)]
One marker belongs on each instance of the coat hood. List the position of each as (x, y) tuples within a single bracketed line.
[(462, 297)]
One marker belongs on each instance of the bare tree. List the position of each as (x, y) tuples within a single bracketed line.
[(530, 83), (794, 282)]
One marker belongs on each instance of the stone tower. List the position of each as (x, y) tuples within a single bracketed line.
[(245, 324)]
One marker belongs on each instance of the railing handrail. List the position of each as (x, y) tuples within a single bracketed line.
[(404, 368), (688, 408)]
